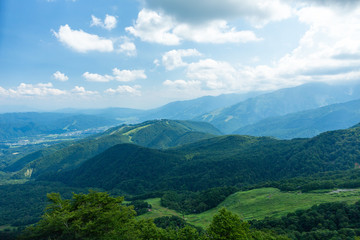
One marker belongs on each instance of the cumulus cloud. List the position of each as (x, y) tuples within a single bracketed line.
[(94, 77), (81, 41), (125, 89), (119, 75), (157, 27), (30, 90), (60, 76), (150, 26), (109, 22), (258, 12), (173, 59), (183, 84), (128, 48), (214, 74), (82, 92), (128, 75)]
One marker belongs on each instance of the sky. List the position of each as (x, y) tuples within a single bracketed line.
[(145, 53)]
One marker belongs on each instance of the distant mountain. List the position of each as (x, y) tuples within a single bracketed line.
[(14, 125), (306, 123), (278, 103), (154, 134), (178, 110), (189, 109), (221, 161)]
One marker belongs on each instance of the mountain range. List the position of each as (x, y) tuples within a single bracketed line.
[(230, 160), (154, 134)]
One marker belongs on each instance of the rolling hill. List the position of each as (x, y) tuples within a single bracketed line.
[(152, 134), (220, 161), (278, 103), (306, 123)]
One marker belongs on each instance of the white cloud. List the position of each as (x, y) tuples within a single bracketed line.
[(3, 91), (128, 47), (125, 89), (152, 26), (214, 32), (82, 92), (128, 75), (60, 76), (94, 77), (109, 23), (119, 75), (30, 90), (214, 74), (258, 12), (183, 84), (173, 58), (81, 41)]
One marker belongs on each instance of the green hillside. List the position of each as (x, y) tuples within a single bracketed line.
[(307, 123), (220, 161), (153, 134), (258, 204)]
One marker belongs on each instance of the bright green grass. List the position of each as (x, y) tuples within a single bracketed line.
[(157, 210), (258, 204)]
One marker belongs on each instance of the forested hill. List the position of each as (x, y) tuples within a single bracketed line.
[(221, 161), (152, 134)]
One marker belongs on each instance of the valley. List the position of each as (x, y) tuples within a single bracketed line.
[(277, 164)]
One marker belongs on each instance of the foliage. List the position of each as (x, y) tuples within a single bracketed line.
[(97, 215), (324, 221), (170, 222), (86, 216), (228, 226), (324, 180), (22, 204), (195, 202), (140, 207)]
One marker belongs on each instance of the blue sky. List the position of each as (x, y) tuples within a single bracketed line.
[(145, 53)]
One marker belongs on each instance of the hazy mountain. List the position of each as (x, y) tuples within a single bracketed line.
[(188, 109), (307, 123), (153, 134), (178, 110), (13, 125), (221, 161), (278, 103)]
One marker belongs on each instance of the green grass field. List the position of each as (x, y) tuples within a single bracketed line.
[(258, 204)]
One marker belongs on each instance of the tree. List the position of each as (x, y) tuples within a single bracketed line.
[(227, 226), (86, 216)]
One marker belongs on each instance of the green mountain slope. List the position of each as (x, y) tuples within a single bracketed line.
[(153, 134), (307, 123), (279, 103), (220, 161)]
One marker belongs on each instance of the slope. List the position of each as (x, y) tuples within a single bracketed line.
[(221, 161), (279, 103), (153, 134), (307, 123)]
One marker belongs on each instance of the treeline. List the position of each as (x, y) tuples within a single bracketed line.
[(324, 221), (324, 180), (98, 216), (188, 202)]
